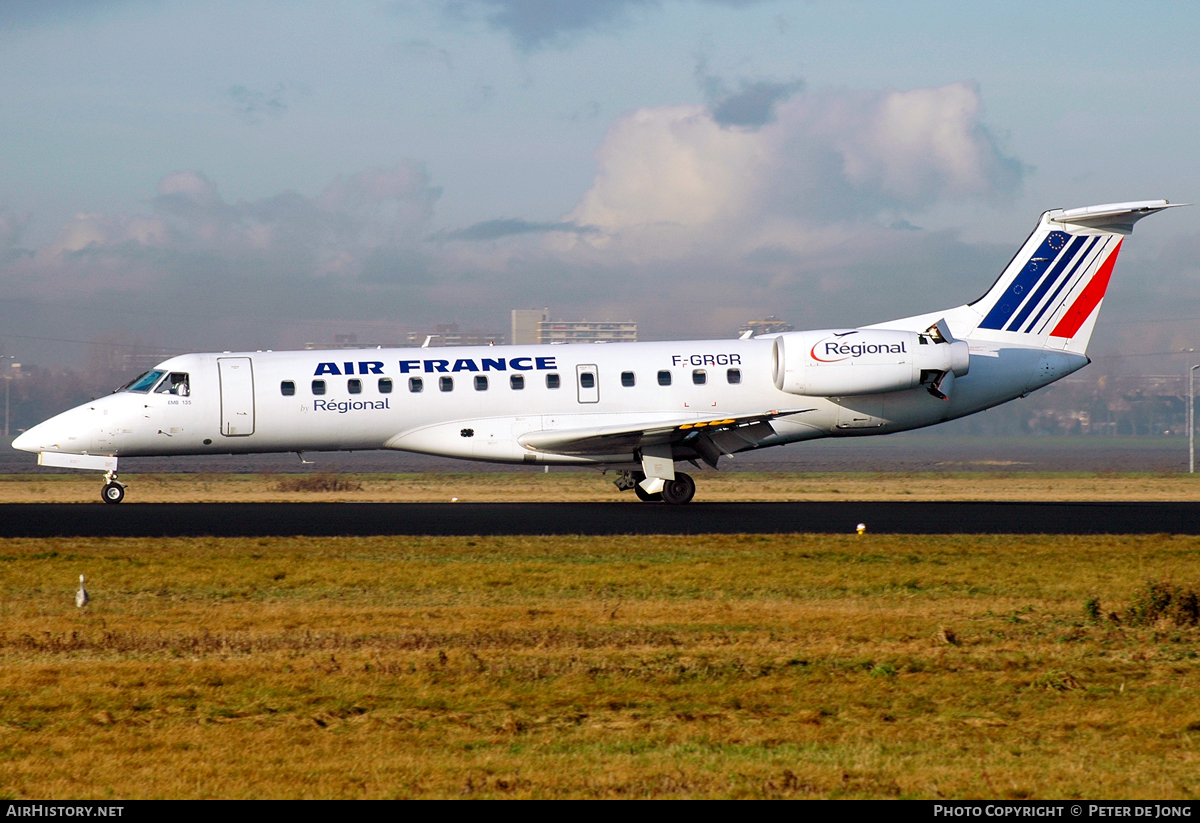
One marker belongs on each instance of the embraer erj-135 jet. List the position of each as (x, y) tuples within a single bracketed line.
[(638, 408)]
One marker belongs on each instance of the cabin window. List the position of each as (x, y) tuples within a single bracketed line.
[(627, 379), (664, 378), (385, 385), (176, 384), (416, 385), (734, 375), (318, 387), (699, 377), (287, 388), (446, 383), (517, 381), (587, 380), (552, 381), (480, 382), (354, 386), (142, 384)]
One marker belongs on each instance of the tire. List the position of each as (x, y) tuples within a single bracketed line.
[(113, 493), (680, 490), (646, 497)]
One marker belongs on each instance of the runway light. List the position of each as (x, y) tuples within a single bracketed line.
[(861, 528), (453, 499)]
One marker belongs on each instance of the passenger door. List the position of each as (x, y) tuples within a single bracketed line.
[(237, 396)]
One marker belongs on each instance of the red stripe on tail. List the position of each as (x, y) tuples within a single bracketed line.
[(1088, 299)]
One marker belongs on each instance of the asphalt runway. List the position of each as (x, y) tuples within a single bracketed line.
[(365, 519)]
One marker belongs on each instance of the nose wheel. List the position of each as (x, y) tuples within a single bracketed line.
[(113, 491)]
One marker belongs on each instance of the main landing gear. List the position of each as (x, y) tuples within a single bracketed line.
[(113, 491), (676, 492)]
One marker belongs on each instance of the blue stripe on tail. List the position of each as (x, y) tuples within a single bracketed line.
[(1083, 263), (1010, 301), (1047, 283)]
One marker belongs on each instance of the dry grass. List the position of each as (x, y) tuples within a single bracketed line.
[(734, 666), (317, 482), (591, 486)]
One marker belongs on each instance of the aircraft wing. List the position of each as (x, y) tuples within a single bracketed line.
[(708, 437)]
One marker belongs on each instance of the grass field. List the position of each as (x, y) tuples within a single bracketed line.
[(731, 666), (592, 486)]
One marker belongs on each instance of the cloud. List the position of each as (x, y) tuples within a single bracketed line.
[(691, 226), (424, 51), (825, 157), (39, 12), (508, 227), (534, 24), (252, 105), (330, 234), (754, 105), (11, 228)]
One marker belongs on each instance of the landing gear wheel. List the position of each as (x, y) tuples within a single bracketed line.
[(647, 497), (113, 493), (680, 490)]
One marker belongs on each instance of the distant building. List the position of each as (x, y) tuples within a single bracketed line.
[(349, 341), (768, 325), (525, 325), (442, 334), (534, 326), (587, 331), (448, 334)]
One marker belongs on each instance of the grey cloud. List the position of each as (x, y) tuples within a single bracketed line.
[(754, 105), (403, 266), (252, 105), (534, 24), (11, 228), (508, 227), (43, 12), (424, 51)]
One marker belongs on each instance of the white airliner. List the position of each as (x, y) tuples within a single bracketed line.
[(638, 408)]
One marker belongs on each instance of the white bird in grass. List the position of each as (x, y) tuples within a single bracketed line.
[(81, 596)]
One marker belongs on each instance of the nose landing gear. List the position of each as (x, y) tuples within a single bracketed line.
[(113, 491)]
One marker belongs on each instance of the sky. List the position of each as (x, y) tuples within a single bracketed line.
[(228, 176)]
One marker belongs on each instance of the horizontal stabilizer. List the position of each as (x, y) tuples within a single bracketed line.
[(1113, 217)]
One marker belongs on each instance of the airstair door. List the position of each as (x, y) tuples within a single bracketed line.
[(237, 396), (588, 379)]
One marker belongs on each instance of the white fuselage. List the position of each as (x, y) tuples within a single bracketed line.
[(238, 402)]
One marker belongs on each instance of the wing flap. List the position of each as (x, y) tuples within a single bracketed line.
[(727, 434)]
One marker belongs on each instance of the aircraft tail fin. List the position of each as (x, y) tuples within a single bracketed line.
[(1051, 291)]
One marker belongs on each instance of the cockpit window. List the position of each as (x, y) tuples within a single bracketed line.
[(176, 383), (144, 383)]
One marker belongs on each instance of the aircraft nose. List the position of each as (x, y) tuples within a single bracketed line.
[(67, 432), (28, 441)]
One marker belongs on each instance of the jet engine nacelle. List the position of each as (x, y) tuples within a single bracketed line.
[(839, 362)]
